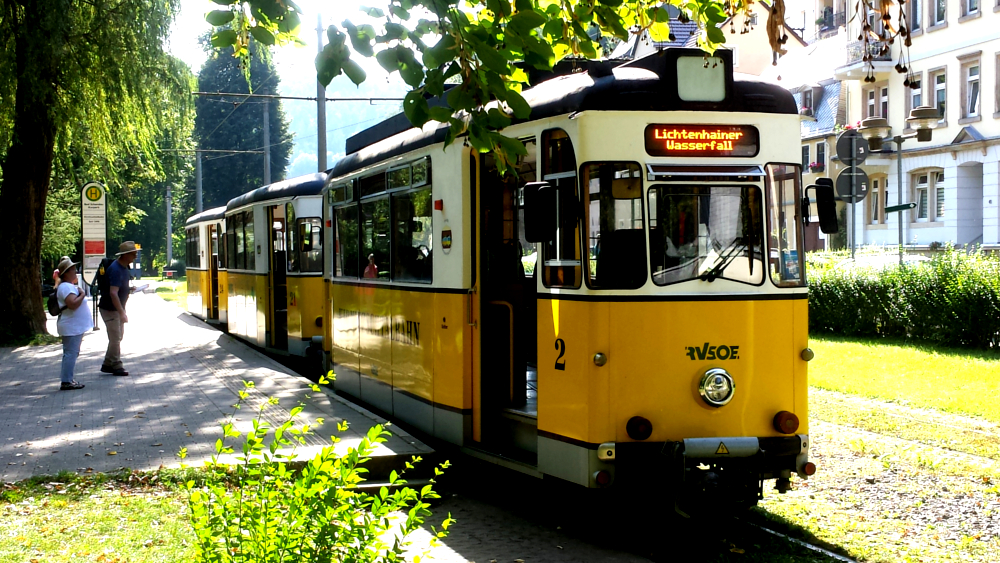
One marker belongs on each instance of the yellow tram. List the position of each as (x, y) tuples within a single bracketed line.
[(274, 250), (205, 261), (629, 305)]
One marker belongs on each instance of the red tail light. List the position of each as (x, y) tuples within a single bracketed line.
[(786, 422)]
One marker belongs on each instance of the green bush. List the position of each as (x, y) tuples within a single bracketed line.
[(260, 510), (953, 300)]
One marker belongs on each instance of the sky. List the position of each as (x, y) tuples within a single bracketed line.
[(298, 76)]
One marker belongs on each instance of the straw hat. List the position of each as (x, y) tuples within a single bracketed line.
[(126, 247), (65, 263)]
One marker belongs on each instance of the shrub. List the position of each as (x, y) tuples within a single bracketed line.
[(954, 300), (260, 510)]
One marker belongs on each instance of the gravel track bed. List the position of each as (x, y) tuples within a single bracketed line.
[(880, 498)]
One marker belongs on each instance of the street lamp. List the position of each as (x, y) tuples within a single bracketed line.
[(876, 130)]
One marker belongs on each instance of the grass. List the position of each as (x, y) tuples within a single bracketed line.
[(917, 375), (175, 291), (124, 517)]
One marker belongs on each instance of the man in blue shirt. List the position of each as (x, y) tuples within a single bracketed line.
[(112, 307)]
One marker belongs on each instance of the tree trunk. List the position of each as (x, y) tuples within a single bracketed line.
[(27, 171)]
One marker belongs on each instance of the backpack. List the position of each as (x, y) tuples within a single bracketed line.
[(53, 303), (102, 280)]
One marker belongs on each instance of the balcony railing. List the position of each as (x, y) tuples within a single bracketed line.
[(833, 21), (878, 50)]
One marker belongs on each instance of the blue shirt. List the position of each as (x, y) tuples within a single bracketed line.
[(118, 276)]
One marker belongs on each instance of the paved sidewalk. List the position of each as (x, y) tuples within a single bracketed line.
[(184, 380)]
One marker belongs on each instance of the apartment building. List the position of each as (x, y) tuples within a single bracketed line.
[(955, 178)]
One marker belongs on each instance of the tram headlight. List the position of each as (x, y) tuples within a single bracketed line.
[(717, 387)]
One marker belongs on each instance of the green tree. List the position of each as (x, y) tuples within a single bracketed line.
[(489, 44), (227, 123), (84, 84)]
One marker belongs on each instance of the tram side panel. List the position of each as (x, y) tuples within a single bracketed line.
[(573, 392), (375, 358), (411, 336), (196, 292), (346, 336), (452, 384), (305, 311)]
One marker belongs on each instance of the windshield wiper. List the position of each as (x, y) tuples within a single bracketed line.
[(723, 259)]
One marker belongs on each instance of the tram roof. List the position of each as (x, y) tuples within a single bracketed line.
[(213, 214), (309, 184), (645, 84)]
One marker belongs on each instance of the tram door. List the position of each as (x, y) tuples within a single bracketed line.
[(508, 416), (277, 279), (213, 266)]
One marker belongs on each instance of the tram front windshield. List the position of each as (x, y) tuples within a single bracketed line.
[(706, 232)]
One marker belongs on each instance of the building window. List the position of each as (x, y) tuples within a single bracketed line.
[(805, 156), (914, 16), (884, 102), (929, 193), (870, 103), (971, 6), (916, 93), (821, 153), (878, 200), (807, 100), (940, 94), (940, 11), (972, 90)]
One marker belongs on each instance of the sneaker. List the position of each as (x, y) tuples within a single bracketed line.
[(70, 386), (119, 372)]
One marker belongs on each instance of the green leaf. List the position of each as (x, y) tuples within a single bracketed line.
[(219, 17), (459, 99), (412, 73), (518, 105), (354, 72), (440, 114), (373, 12), (399, 12), (361, 38), (496, 119), (715, 34), (490, 57), (289, 23), (393, 32), (714, 14), (499, 7), (659, 32), (415, 109), (224, 38), (525, 21), (441, 53), (262, 35), (388, 60)]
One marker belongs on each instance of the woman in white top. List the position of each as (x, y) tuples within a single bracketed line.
[(74, 319)]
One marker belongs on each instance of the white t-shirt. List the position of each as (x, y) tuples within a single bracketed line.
[(73, 322)]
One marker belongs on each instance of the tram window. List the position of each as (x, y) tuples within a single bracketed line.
[(290, 239), (398, 177), (706, 232), (240, 261), (421, 175), (219, 245), (561, 259), (786, 257), (346, 242), (526, 169), (310, 245), (230, 243), (374, 184), (342, 192), (248, 238), (413, 237), (375, 233), (616, 235)]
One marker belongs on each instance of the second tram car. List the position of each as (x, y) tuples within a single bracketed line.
[(205, 264)]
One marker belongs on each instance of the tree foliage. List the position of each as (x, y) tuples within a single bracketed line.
[(84, 87), (227, 123)]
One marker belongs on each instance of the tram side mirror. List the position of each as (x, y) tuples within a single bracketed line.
[(540, 216), (826, 205)]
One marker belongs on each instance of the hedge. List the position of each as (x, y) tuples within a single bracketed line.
[(953, 300)]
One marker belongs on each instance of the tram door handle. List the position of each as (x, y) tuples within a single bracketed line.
[(471, 321)]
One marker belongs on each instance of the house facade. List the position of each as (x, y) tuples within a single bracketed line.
[(954, 179)]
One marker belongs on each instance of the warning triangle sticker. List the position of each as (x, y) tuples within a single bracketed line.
[(722, 449)]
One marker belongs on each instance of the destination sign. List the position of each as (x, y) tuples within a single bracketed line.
[(702, 140)]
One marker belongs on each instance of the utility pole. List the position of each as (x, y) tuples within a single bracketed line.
[(320, 105), (170, 234), (197, 183), (267, 143)]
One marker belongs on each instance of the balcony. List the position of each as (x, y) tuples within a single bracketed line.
[(855, 66)]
